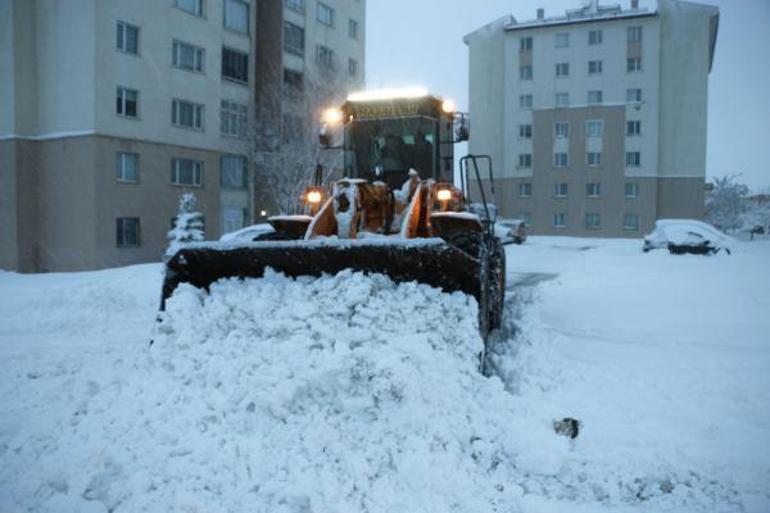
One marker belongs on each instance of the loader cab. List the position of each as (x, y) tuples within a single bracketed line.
[(384, 136)]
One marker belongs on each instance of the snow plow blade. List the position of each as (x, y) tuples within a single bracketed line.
[(430, 261)]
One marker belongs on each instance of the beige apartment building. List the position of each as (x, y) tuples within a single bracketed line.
[(110, 110), (596, 119)]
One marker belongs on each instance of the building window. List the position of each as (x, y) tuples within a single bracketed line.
[(593, 221), (562, 69), (325, 14), (593, 189), (237, 15), (187, 172), (235, 65), (294, 81), (525, 44), (525, 72), (194, 7), (594, 158), (595, 128), (634, 64), (293, 39), (560, 159), (234, 219), (560, 220), (633, 159), (525, 101), (127, 232), (561, 129), (633, 128), (595, 67), (353, 29), (562, 99), (525, 160), (352, 68), (186, 114), (525, 190), (296, 5), (595, 37), (127, 102), (634, 34), (189, 57), (233, 118), (595, 97), (233, 173), (633, 95), (632, 190), (525, 131), (631, 222), (325, 57), (560, 190), (562, 40), (128, 38), (127, 167)]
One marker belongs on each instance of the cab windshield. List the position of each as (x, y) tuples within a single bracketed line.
[(392, 146)]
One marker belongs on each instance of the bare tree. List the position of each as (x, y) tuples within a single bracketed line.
[(287, 149)]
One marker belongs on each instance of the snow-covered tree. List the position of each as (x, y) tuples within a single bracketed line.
[(725, 203), (757, 214), (188, 225)]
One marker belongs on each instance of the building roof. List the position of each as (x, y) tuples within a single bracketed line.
[(589, 13)]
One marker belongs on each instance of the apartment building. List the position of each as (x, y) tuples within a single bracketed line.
[(109, 110), (310, 55), (596, 119)]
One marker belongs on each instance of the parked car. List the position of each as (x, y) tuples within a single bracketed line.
[(511, 231), (682, 236), (247, 234)]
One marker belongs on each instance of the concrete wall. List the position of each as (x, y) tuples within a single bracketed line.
[(64, 42), (154, 200), (63, 215), (487, 93), (686, 31), (681, 198), (9, 233)]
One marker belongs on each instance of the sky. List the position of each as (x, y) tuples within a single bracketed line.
[(425, 48)]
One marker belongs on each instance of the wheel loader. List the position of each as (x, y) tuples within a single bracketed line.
[(395, 211)]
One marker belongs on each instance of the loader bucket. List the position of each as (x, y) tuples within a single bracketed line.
[(430, 261)]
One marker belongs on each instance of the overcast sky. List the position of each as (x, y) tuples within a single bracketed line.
[(419, 42)]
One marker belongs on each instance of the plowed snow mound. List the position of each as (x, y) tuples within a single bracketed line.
[(346, 393)]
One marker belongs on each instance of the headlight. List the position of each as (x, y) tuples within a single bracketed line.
[(314, 197), (448, 106), (332, 116), (444, 195)]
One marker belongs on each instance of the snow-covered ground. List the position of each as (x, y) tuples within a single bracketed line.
[(350, 393)]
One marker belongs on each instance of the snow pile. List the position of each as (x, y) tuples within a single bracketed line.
[(345, 393)]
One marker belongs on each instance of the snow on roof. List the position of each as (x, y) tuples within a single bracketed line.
[(583, 15)]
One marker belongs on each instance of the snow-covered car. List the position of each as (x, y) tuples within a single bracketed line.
[(248, 234), (511, 231), (681, 236)]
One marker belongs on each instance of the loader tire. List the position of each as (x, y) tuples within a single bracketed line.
[(473, 244)]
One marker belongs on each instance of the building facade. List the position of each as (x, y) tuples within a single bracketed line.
[(596, 120), (110, 110), (310, 55)]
